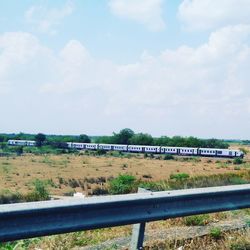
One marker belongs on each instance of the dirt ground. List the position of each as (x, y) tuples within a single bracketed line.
[(19, 173)]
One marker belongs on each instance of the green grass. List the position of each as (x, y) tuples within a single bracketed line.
[(197, 220)]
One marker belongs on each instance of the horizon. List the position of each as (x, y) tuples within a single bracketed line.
[(101, 135), (158, 66)]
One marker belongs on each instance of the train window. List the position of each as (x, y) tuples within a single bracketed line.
[(219, 152)]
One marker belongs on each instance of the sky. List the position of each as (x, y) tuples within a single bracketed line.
[(164, 67)]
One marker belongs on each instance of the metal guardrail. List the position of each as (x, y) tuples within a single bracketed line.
[(26, 220)]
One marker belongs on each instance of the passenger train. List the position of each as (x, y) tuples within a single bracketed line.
[(186, 151)]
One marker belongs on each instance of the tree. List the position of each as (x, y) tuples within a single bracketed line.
[(2, 138), (141, 139), (40, 139), (123, 136), (19, 150), (84, 138)]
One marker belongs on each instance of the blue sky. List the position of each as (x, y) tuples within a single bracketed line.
[(158, 66)]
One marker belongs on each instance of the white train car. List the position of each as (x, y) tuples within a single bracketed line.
[(152, 149), (119, 147), (107, 147), (187, 151), (208, 151), (220, 152), (228, 153), (135, 148), (76, 145), (91, 146), (21, 143), (168, 150)]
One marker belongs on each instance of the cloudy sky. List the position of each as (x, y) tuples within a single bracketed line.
[(162, 67)]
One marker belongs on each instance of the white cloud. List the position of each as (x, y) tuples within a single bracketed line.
[(146, 12), (201, 91), (210, 14), (47, 20)]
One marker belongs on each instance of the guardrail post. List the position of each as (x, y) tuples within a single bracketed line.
[(138, 230)]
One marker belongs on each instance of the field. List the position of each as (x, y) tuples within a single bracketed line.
[(69, 173)]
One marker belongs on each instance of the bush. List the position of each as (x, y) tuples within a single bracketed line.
[(40, 192), (168, 157), (215, 232), (197, 220), (7, 197), (238, 160), (123, 184), (100, 152), (179, 176), (99, 191)]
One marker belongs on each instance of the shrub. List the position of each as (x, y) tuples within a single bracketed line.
[(215, 232), (7, 197), (197, 220), (123, 184), (99, 191), (100, 152), (237, 168), (238, 160), (179, 176), (40, 192), (168, 157)]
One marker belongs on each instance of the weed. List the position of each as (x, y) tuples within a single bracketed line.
[(215, 232), (237, 161), (197, 220), (179, 176), (168, 157), (237, 168), (122, 184)]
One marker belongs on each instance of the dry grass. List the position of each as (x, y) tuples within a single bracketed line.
[(18, 174), (235, 240), (81, 172)]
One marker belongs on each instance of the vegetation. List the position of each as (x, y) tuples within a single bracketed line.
[(39, 193), (179, 176), (123, 184), (127, 136), (237, 161), (168, 157), (197, 220), (215, 232), (40, 139)]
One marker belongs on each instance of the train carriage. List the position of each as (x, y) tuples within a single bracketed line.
[(207, 152), (91, 146), (136, 148), (76, 145), (119, 147), (168, 150), (106, 147), (152, 149), (187, 151)]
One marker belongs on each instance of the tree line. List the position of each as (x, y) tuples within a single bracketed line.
[(125, 136)]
